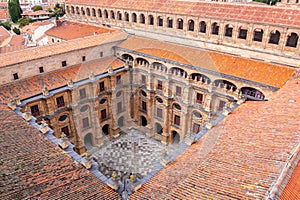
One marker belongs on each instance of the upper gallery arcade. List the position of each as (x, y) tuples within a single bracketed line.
[(269, 33)]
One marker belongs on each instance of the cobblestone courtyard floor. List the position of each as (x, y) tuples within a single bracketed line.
[(133, 152)]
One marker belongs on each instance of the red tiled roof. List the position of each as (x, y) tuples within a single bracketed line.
[(59, 48), (4, 14), (292, 189), (31, 27), (71, 30), (17, 40), (33, 13), (32, 167), (4, 34), (241, 157), (26, 88), (253, 70), (241, 12)]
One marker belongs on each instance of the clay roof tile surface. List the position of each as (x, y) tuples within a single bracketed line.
[(32, 167)]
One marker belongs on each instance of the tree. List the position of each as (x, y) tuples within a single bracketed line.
[(36, 8), (58, 10), (6, 25), (17, 31), (14, 10), (24, 21)]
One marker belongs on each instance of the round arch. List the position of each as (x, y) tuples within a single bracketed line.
[(252, 94), (159, 66), (225, 84), (144, 121), (200, 78), (178, 71), (126, 56), (142, 61), (175, 137), (105, 129)]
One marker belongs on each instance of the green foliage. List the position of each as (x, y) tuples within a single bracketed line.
[(49, 10), (58, 11), (6, 25), (24, 21), (17, 31), (36, 8), (14, 10)]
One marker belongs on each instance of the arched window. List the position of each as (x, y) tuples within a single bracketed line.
[(105, 14), (84, 108), (252, 93), (292, 40), (142, 18), (82, 11), (258, 35), (150, 20), (170, 22), (119, 94), (88, 13), (228, 30), (160, 21), (77, 11), (179, 23), (274, 37), (225, 84), (72, 10), (102, 101), (93, 12), (127, 57), (177, 106), (112, 14), (62, 118), (200, 78), (178, 71), (126, 17), (191, 25), (242, 33), (119, 15), (159, 100), (202, 27), (215, 28), (68, 9), (99, 13), (133, 17), (143, 93)]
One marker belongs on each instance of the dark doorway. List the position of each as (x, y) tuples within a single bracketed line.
[(159, 128), (88, 140), (143, 121), (121, 122), (105, 129), (175, 137)]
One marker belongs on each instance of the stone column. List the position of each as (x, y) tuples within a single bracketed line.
[(167, 123)]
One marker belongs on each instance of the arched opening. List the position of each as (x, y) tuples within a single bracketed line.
[(225, 84), (158, 128), (93, 12), (170, 22), (159, 66), (143, 121), (119, 14), (200, 78), (175, 137), (72, 10), (228, 30), (77, 11), (142, 18), (143, 93), (99, 13), (142, 61), (150, 20), (88, 140), (121, 122), (88, 13), (112, 14), (215, 28), (105, 14), (191, 25), (126, 17), (242, 33), (179, 23), (202, 27), (258, 35), (126, 57), (292, 40), (160, 21), (68, 9), (133, 17), (274, 37), (252, 94), (105, 129), (177, 106), (178, 72), (82, 11)]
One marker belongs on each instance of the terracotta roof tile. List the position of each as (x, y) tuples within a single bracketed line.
[(32, 167), (58, 48), (292, 189), (71, 30), (253, 70), (17, 40), (32, 86), (4, 34), (240, 158), (241, 12)]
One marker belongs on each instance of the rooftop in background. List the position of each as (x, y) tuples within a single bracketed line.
[(4, 35), (34, 167), (58, 48), (31, 27), (28, 87), (67, 30), (240, 158), (287, 16), (249, 69)]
